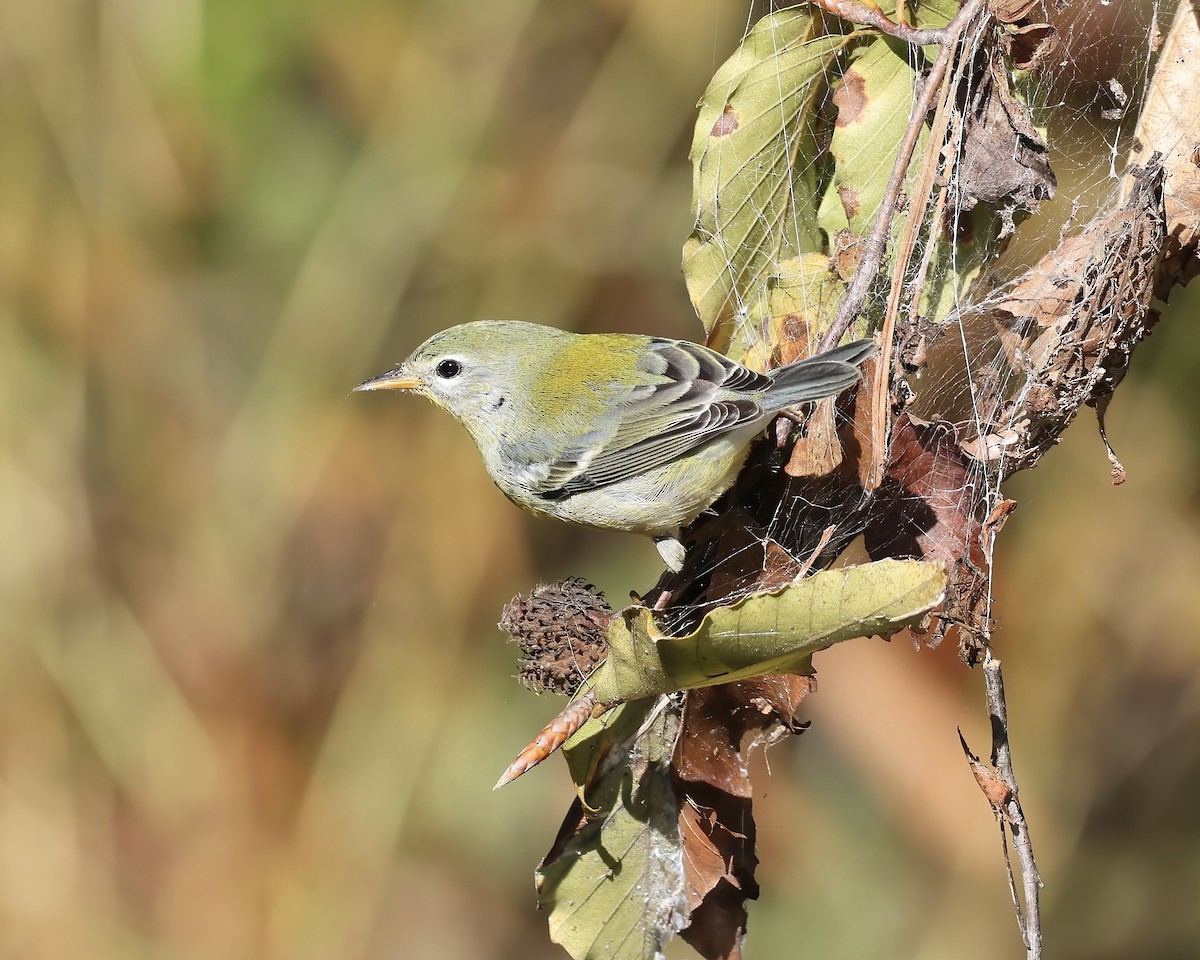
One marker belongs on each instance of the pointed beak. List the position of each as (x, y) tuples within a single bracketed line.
[(392, 380)]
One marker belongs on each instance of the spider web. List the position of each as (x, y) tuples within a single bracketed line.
[(955, 378), (1006, 272)]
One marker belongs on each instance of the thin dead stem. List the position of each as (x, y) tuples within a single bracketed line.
[(872, 16), (1011, 816)]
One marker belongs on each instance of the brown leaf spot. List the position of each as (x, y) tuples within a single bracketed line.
[(850, 97), (726, 123), (847, 249), (849, 198), (794, 339)]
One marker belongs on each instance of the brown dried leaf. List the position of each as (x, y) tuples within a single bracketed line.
[(925, 509), (1047, 292), (1003, 160), (744, 568), (1032, 44), (1073, 323), (847, 252), (779, 567), (930, 491), (818, 452), (997, 792), (1010, 11), (831, 445), (1170, 125), (716, 822)]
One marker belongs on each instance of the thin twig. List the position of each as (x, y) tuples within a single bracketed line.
[(826, 536), (1028, 916), (868, 16), (876, 242), (920, 191)]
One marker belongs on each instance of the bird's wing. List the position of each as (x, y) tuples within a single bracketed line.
[(690, 395)]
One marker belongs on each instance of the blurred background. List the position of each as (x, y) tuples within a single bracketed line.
[(252, 698)]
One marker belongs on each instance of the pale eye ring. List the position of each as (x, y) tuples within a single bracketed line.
[(449, 369)]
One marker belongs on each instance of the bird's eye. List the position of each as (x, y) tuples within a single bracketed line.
[(449, 369)]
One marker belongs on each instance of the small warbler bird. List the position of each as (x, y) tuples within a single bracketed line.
[(618, 431)]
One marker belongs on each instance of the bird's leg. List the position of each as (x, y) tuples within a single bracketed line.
[(672, 552)]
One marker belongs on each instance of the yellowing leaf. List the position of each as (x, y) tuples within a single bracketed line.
[(754, 181), (769, 632), (801, 295), (874, 99)]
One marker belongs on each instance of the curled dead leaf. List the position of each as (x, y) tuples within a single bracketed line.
[(712, 782), (1010, 11), (1032, 44), (1170, 125), (1003, 160), (926, 509)]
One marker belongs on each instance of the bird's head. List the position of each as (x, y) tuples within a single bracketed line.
[(472, 370)]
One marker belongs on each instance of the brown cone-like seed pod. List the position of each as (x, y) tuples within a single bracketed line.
[(560, 628)]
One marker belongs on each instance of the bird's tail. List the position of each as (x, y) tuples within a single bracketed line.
[(825, 375)]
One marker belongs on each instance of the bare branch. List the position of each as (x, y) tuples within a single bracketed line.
[(999, 784), (871, 16)]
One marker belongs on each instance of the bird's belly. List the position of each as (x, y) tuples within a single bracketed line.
[(661, 500)]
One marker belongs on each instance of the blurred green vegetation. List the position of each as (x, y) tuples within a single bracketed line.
[(251, 696)]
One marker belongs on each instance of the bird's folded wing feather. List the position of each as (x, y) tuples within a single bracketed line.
[(690, 397)]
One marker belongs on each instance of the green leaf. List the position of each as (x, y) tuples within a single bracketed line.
[(614, 887), (874, 100), (764, 195), (801, 295), (754, 181), (768, 632)]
